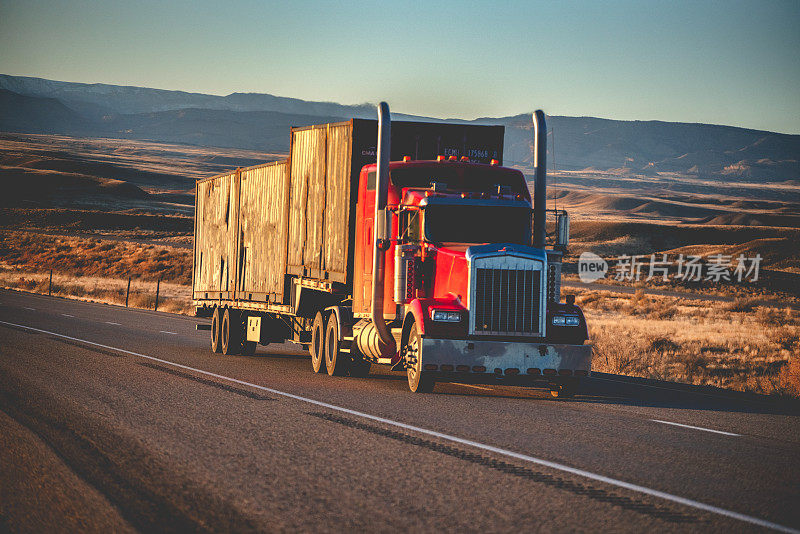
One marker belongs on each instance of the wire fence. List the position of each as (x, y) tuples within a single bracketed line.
[(134, 292)]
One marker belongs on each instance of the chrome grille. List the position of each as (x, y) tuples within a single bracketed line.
[(506, 301)]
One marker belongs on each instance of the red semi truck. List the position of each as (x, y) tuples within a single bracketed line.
[(419, 251)]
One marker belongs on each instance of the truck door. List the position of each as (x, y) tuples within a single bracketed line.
[(365, 214), (367, 266)]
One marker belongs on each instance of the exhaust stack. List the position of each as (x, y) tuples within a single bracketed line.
[(540, 184), (381, 232)]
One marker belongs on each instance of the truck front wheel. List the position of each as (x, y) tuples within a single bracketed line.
[(418, 381)]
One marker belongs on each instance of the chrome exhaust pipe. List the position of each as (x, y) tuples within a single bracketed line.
[(381, 229), (540, 184)]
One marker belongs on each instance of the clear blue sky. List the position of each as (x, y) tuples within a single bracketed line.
[(729, 62)]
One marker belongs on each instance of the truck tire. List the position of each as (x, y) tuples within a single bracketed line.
[(216, 330), (336, 362), (418, 380), (231, 332), (317, 347)]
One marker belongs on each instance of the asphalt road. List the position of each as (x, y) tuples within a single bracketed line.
[(123, 420)]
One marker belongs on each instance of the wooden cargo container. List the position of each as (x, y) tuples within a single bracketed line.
[(252, 204), (215, 237), (256, 225), (263, 214)]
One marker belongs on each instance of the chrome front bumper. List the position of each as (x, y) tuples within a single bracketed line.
[(503, 358)]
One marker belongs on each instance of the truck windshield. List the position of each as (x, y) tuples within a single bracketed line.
[(463, 178), (473, 224)]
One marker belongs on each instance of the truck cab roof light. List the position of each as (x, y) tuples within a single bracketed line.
[(440, 158), (406, 159)]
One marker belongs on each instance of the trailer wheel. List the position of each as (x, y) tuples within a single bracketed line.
[(316, 349), (231, 332), (418, 380), (336, 362), (216, 325)]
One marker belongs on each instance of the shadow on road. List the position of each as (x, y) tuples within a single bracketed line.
[(601, 388), (624, 393)]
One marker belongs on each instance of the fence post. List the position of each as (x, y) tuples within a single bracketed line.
[(50, 288), (158, 287), (128, 292)]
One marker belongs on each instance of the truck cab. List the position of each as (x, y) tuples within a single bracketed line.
[(464, 290)]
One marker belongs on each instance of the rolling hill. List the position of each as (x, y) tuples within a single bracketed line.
[(260, 122)]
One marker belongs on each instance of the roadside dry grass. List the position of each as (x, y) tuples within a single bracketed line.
[(89, 257), (97, 270), (743, 345), (174, 298)]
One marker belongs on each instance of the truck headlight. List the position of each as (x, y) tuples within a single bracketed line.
[(566, 320), (446, 316)]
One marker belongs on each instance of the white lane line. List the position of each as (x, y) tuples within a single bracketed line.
[(446, 437), (695, 427), (116, 324), (31, 309), (165, 332), (472, 386), (67, 315)]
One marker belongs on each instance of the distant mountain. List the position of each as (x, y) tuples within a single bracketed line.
[(40, 115), (261, 122), (98, 99), (267, 131), (645, 147)]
